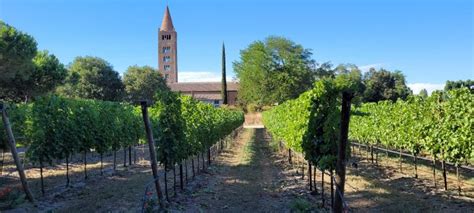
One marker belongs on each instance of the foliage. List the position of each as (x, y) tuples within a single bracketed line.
[(142, 83), (92, 78), (423, 93), (17, 50), (439, 125), (311, 123), (224, 80), (187, 127), (24, 72), (59, 127), (384, 85), (17, 116), (273, 71), (450, 85)]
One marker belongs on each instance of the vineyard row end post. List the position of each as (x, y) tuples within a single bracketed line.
[(151, 146), (12, 144)]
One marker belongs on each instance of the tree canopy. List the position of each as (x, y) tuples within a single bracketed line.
[(384, 85), (450, 85), (25, 72), (423, 93), (93, 78), (142, 83), (273, 70), (17, 50)]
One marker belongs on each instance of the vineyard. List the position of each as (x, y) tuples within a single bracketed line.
[(56, 129), (440, 127)]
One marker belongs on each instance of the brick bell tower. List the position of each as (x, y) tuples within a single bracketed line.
[(168, 49)]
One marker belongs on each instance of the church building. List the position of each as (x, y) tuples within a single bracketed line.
[(209, 92)]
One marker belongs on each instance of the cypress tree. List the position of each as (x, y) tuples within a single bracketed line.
[(224, 81)]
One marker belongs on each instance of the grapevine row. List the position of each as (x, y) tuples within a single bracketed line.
[(56, 128), (440, 126)]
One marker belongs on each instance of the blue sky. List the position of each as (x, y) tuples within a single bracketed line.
[(429, 41)]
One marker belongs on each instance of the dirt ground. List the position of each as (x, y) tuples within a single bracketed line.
[(251, 175)]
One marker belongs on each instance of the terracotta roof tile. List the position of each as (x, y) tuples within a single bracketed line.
[(207, 96), (202, 86)]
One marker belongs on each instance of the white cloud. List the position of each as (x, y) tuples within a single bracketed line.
[(199, 76), (366, 68), (417, 87)]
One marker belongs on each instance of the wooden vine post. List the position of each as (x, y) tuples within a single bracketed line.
[(12, 144), (341, 158), (151, 146)]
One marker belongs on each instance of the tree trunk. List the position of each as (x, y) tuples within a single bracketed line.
[(332, 189), (314, 179), (367, 152), (416, 167), (400, 160), (67, 170), (181, 180), (203, 161), (376, 157), (85, 164), (129, 155), (310, 177), (101, 163), (135, 155), (12, 144), (434, 172), (124, 157), (443, 164), (289, 156), (459, 179), (209, 156), (322, 187), (372, 153), (198, 167), (166, 184), (151, 147), (302, 170), (186, 169), (115, 160), (192, 167), (41, 175), (174, 179)]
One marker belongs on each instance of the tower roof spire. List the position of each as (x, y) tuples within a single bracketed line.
[(167, 23)]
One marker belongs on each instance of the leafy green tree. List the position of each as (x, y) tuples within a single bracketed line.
[(17, 50), (424, 93), (142, 83), (273, 71), (450, 85), (93, 78), (47, 73), (384, 85)]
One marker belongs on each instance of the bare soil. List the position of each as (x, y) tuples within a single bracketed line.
[(249, 177), (252, 175)]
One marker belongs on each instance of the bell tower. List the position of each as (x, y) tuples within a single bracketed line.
[(168, 49)]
